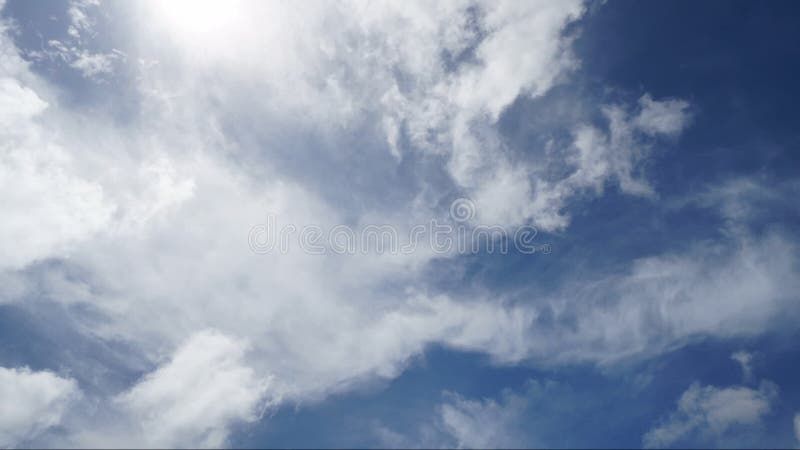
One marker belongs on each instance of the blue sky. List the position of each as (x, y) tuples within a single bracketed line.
[(651, 146)]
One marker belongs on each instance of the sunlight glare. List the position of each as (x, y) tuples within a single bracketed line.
[(195, 18)]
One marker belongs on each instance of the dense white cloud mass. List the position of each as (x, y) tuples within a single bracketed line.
[(32, 175), (190, 400), (247, 116), (31, 402), (712, 411), (52, 206)]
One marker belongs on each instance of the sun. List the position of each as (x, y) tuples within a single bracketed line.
[(195, 19)]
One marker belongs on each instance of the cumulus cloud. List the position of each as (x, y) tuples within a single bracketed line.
[(193, 399), (31, 403), (52, 206), (19, 104), (710, 411), (64, 182)]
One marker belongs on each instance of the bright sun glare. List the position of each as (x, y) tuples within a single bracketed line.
[(193, 18)]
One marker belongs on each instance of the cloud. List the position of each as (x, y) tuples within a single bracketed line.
[(616, 154), (797, 427), (91, 65), (74, 50), (746, 202), (710, 412), (81, 20), (483, 423), (508, 67), (195, 397), (426, 104), (52, 207), (745, 360), (57, 193), (596, 158), (667, 117), (460, 422), (249, 118), (731, 288), (18, 105), (540, 414), (127, 243), (31, 403)]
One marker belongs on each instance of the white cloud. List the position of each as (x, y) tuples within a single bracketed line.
[(745, 201), (730, 289), (49, 206), (386, 62), (66, 177), (91, 65), (191, 258), (711, 411), (31, 403), (667, 117), (537, 415), (74, 50), (617, 154), (18, 104), (194, 398), (509, 195), (81, 20), (523, 54), (157, 211), (460, 422), (483, 423), (510, 66)]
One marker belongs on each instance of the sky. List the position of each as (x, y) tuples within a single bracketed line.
[(399, 224)]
